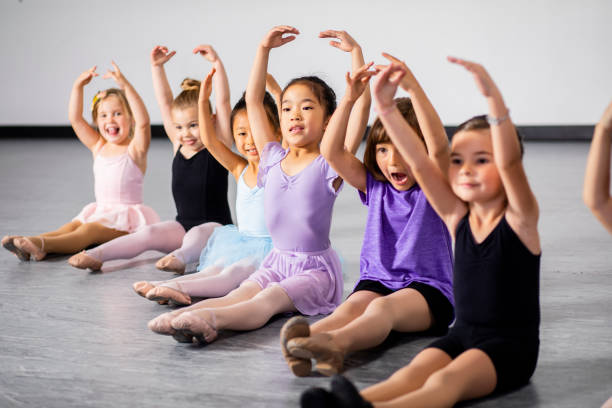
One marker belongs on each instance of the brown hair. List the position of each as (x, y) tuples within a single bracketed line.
[(378, 134), (480, 122), (324, 93), (189, 95), (102, 95), (269, 105)]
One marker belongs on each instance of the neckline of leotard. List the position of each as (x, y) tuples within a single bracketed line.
[(299, 172), (178, 151), (489, 236)]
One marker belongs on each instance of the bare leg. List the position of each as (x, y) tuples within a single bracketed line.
[(349, 310), (470, 375)]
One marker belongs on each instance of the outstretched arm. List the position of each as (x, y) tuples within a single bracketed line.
[(228, 159), (435, 136), (332, 145), (223, 109), (256, 88), (86, 134), (506, 149), (427, 173), (596, 193), (163, 93), (139, 145), (360, 113)]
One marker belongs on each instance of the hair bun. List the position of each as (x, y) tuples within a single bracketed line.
[(190, 84)]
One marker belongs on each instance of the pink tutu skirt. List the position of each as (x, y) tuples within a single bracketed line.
[(122, 217)]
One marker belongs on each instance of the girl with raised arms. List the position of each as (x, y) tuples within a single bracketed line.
[(492, 214), (119, 141), (199, 182)]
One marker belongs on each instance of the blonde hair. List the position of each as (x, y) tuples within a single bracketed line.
[(189, 95), (102, 95)]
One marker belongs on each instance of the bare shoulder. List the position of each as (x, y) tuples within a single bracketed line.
[(526, 228)]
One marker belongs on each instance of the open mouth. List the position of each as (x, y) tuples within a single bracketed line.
[(399, 178), (112, 130), (296, 129)]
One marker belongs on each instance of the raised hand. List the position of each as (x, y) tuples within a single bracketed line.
[(483, 80), (409, 82), (275, 38), (206, 86), (207, 51), (385, 87), (86, 76), (345, 41), (160, 55), (358, 81), (116, 75)]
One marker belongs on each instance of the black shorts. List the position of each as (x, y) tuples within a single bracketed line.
[(441, 308), (514, 356)]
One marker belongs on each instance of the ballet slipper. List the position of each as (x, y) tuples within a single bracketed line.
[(142, 287), (167, 293), (322, 348), (28, 246), (317, 397), (295, 327), (170, 263), (191, 323), (161, 324), (347, 394), (8, 242), (83, 260)]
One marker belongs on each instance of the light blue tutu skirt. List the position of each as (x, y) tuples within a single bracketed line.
[(227, 245)]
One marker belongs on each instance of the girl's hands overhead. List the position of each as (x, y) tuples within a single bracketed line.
[(116, 75), (206, 86), (345, 41), (357, 82), (86, 76), (275, 38), (483, 80), (160, 55), (409, 82), (385, 87), (207, 51)]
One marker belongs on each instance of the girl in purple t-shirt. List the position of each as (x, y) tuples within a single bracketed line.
[(406, 257)]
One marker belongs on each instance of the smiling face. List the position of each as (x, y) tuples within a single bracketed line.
[(242, 136), (185, 122), (303, 116), (113, 122), (472, 172), (393, 166)]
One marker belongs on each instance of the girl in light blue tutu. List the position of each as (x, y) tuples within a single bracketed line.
[(233, 252)]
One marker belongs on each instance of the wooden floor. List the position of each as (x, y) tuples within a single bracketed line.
[(76, 339)]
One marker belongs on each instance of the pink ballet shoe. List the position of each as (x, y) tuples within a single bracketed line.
[(190, 323), (322, 348), (170, 263), (142, 287), (295, 327), (161, 324), (8, 242), (166, 293), (24, 244), (83, 260)]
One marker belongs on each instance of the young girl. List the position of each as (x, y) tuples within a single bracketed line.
[(119, 142), (596, 192), (406, 258), (237, 251), (489, 208), (199, 182), (302, 273)]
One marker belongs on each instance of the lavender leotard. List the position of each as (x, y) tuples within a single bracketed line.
[(405, 240), (298, 213)]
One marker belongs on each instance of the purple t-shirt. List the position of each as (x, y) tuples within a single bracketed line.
[(405, 240), (298, 208)]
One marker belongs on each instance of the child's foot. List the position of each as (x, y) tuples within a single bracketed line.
[(346, 393), (9, 244), (317, 397), (295, 327), (26, 245), (200, 324), (170, 263), (142, 287), (322, 348), (165, 293), (161, 324), (83, 260)]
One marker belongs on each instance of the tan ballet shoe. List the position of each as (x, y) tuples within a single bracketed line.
[(83, 260), (322, 348), (161, 324), (9, 244), (166, 293), (28, 246), (192, 323), (142, 287), (295, 327), (170, 263)]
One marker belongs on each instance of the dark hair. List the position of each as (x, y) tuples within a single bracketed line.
[(480, 122), (269, 106), (378, 134), (323, 92)]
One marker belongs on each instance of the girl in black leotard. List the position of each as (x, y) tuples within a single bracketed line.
[(492, 214)]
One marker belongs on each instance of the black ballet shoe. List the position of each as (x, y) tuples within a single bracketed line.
[(346, 393), (317, 397)]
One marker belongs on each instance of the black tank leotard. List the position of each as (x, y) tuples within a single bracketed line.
[(199, 188)]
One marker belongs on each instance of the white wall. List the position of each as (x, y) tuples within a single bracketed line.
[(551, 58)]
